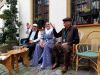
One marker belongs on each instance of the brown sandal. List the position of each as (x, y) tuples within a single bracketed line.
[(64, 69), (55, 66)]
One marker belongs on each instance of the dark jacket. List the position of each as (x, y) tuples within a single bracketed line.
[(71, 37)]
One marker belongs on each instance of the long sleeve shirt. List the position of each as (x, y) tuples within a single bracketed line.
[(72, 36)]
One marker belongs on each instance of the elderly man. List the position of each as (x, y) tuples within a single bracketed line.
[(69, 36), (25, 39), (34, 37)]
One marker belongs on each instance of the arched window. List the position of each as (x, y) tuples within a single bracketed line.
[(41, 11)]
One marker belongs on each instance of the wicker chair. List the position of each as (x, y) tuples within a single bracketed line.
[(81, 35), (89, 51)]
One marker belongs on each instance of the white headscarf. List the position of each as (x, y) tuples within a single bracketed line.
[(48, 31)]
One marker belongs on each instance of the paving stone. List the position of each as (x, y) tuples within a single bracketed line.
[(1, 71), (38, 71)]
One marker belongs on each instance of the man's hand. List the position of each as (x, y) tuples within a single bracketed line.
[(30, 41), (64, 45), (52, 25)]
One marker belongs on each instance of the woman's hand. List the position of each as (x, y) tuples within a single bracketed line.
[(42, 43)]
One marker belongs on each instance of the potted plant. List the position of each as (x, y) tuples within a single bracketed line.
[(86, 14), (85, 11), (10, 22)]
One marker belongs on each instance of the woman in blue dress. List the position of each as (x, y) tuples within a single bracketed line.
[(43, 49)]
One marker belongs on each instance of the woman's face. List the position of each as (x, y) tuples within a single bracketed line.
[(47, 25)]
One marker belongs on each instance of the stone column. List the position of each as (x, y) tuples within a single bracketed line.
[(68, 3)]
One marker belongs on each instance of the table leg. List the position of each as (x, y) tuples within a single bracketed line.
[(8, 64), (24, 55), (16, 62)]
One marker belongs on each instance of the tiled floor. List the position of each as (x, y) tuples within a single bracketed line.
[(37, 71)]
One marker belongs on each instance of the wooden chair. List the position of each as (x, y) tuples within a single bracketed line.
[(90, 51)]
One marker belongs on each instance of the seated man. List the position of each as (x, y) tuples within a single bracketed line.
[(69, 36), (34, 37), (24, 40)]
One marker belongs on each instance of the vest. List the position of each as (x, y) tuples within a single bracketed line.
[(68, 34), (35, 37)]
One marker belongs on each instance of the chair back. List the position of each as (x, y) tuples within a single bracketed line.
[(92, 42), (93, 39), (81, 35)]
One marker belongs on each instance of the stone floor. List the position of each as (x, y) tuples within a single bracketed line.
[(37, 71)]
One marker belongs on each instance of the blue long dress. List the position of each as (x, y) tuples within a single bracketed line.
[(44, 53)]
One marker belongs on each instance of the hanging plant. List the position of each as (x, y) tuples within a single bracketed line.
[(85, 11)]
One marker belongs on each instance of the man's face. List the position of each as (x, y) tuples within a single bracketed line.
[(34, 28), (67, 24), (27, 25)]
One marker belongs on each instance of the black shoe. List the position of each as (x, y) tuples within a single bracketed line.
[(31, 65), (30, 58)]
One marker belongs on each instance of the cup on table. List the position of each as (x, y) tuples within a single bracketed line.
[(21, 47), (17, 48)]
